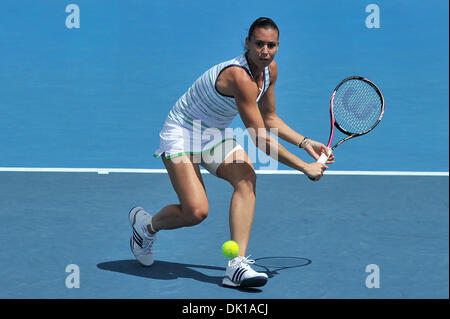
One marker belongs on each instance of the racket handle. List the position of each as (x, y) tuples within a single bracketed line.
[(322, 159)]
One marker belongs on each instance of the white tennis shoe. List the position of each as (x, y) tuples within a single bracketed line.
[(240, 274), (141, 242)]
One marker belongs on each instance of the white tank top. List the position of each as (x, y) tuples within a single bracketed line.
[(203, 102)]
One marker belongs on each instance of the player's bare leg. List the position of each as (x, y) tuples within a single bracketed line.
[(188, 184), (238, 170)]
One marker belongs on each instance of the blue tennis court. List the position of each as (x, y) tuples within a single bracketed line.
[(80, 113)]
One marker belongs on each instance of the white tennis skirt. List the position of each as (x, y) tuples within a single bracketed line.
[(210, 146)]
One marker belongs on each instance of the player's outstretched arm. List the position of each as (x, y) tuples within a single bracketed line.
[(245, 96)]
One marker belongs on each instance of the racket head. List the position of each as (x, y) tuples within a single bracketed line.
[(356, 106)]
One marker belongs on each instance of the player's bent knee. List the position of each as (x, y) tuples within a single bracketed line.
[(195, 215), (246, 187), (251, 176), (246, 180)]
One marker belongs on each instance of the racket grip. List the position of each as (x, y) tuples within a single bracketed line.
[(322, 159)]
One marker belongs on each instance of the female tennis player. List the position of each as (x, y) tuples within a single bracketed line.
[(195, 133)]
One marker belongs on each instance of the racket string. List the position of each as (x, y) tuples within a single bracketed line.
[(356, 106)]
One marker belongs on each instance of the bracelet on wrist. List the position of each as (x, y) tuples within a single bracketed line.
[(303, 141)]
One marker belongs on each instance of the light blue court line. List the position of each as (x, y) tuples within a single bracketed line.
[(163, 171)]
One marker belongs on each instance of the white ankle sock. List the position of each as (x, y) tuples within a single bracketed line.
[(149, 222)]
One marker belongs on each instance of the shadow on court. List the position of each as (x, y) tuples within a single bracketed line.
[(164, 270), (272, 265)]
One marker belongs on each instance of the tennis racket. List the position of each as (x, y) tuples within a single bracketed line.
[(356, 108)]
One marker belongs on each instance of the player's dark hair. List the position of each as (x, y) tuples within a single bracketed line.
[(262, 22)]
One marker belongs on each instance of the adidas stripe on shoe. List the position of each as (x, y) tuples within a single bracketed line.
[(141, 242), (240, 274)]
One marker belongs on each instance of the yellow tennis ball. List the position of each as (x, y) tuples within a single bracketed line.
[(230, 249)]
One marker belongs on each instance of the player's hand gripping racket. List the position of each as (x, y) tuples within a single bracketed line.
[(356, 108)]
